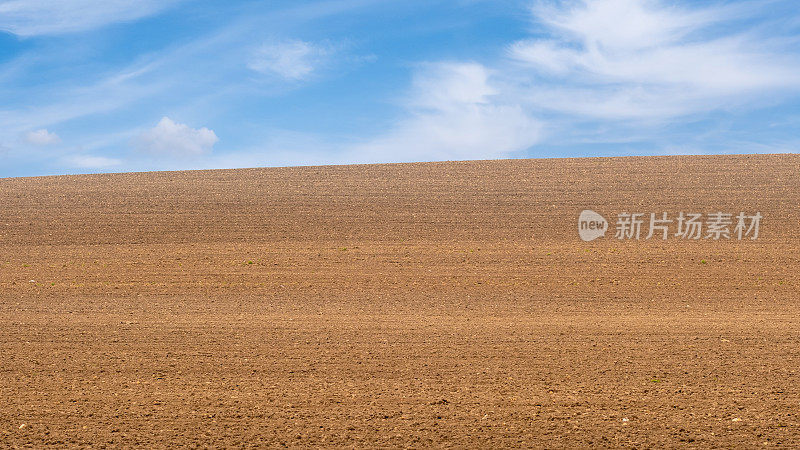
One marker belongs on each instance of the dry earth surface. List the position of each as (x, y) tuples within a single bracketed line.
[(436, 304)]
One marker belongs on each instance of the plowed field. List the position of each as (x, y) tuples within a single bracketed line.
[(433, 304)]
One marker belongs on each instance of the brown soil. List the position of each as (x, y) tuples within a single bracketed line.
[(440, 304)]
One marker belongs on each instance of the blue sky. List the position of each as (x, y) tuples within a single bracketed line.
[(133, 85)]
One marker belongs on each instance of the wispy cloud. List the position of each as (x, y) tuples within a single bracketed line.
[(454, 112), (40, 17), (92, 162), (623, 59), (290, 59), (42, 137), (171, 139)]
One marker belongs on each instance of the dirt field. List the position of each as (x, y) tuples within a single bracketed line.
[(441, 304)]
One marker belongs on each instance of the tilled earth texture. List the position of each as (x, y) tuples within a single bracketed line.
[(409, 305)]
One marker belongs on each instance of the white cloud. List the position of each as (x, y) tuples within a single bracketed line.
[(446, 86), (92, 162), (292, 59), (169, 138), (41, 17), (623, 24), (621, 59), (455, 113), (42, 137)]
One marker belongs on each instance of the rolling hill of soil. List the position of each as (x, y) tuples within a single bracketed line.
[(431, 304)]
